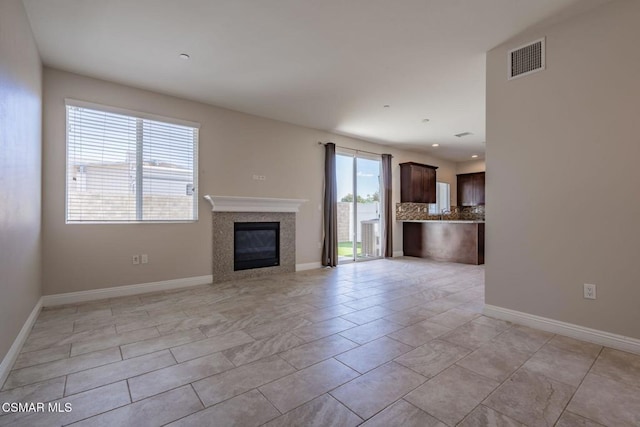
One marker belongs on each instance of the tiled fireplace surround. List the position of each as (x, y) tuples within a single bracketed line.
[(227, 210)]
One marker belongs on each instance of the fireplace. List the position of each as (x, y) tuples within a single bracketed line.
[(230, 212), (256, 245)]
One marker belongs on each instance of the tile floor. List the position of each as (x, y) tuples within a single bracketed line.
[(397, 342)]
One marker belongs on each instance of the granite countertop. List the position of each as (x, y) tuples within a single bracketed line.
[(456, 221)]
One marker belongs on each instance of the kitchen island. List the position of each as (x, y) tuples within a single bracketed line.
[(444, 240)]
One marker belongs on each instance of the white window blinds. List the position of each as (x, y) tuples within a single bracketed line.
[(125, 167)]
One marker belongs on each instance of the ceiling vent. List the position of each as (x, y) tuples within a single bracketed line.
[(460, 135), (527, 59)]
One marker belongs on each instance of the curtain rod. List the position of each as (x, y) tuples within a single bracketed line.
[(352, 149)]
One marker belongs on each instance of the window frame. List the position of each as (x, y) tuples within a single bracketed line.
[(70, 102), (435, 208)]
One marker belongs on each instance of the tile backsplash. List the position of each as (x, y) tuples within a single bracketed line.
[(420, 211)]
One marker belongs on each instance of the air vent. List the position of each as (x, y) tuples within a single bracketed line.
[(460, 135), (526, 59)]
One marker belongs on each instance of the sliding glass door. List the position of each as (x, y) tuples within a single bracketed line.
[(359, 226)]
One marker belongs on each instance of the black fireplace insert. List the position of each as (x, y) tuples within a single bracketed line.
[(256, 245)]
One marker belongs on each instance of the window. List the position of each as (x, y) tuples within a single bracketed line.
[(442, 199), (124, 166)]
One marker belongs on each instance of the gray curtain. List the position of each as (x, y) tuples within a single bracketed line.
[(330, 245), (387, 230)]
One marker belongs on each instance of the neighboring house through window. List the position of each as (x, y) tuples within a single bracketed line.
[(124, 166)]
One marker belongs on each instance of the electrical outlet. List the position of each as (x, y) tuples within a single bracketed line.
[(135, 259), (589, 291), (144, 259), (259, 178)]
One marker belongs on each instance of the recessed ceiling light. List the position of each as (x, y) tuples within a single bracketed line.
[(425, 120), (386, 106), (184, 56), (475, 156), (435, 145), (460, 135)]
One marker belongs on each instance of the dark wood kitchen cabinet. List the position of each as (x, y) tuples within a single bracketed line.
[(417, 183), (471, 189), (451, 241)]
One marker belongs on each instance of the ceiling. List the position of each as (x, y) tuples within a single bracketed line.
[(329, 64)]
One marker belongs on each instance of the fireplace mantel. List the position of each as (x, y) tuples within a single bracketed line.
[(253, 204)]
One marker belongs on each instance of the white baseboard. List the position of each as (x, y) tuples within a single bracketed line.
[(14, 351), (308, 266), (606, 339), (398, 253), (121, 291)]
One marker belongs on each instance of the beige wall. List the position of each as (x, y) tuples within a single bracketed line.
[(562, 195), (20, 157), (471, 166), (233, 147)]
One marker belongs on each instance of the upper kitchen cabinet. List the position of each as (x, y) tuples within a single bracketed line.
[(417, 183), (471, 189)]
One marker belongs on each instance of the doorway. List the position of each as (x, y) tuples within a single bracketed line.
[(358, 177)]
